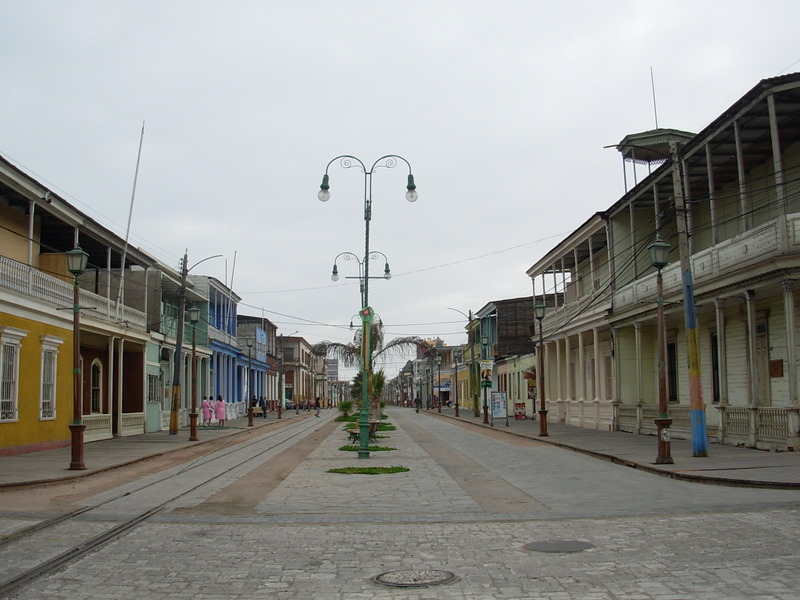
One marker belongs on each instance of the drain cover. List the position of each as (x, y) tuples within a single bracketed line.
[(415, 577), (559, 546)]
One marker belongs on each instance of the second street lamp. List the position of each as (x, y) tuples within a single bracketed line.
[(659, 251), (439, 382), (486, 380), (538, 312), (77, 260), (249, 395), (194, 317)]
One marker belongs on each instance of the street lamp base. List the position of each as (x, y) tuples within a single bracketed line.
[(77, 430), (363, 454), (193, 427), (543, 424), (250, 417), (664, 446)]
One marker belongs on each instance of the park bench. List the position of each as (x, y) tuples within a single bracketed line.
[(355, 434)]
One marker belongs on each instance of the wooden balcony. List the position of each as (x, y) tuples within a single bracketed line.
[(28, 281)]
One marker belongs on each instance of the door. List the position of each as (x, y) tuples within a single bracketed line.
[(762, 387)]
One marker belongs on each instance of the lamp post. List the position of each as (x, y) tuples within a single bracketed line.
[(77, 260), (485, 384), (456, 355), (430, 364), (659, 251), (194, 317), (439, 381), (249, 342), (174, 408), (473, 389), (347, 161), (538, 312)]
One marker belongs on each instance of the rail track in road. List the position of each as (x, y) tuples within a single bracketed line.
[(47, 546)]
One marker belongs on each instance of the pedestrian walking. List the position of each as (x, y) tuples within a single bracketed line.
[(262, 403), (317, 407), (219, 410), (207, 411), (417, 403)]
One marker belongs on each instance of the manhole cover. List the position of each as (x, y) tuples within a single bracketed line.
[(415, 577), (559, 546)]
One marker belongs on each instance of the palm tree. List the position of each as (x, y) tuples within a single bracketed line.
[(350, 355)]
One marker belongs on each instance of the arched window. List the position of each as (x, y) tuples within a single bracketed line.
[(96, 385)]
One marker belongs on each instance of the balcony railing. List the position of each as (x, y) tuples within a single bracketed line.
[(28, 281), (759, 245)]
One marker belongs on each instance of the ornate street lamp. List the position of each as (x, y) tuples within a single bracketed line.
[(458, 355), (194, 317), (249, 342), (347, 161), (439, 382), (77, 260), (485, 384), (538, 312), (659, 251)]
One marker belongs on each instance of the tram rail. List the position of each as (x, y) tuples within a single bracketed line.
[(212, 466)]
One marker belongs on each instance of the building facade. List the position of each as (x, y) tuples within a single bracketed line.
[(727, 201)]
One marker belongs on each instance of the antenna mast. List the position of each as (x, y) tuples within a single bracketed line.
[(653, 86)]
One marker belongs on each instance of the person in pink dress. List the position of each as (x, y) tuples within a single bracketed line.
[(219, 410), (207, 411)]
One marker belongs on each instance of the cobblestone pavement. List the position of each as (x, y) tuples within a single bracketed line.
[(469, 505)]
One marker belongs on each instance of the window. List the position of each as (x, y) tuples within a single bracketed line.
[(47, 404), (10, 342), (672, 371), (47, 396), (153, 388), (97, 387)]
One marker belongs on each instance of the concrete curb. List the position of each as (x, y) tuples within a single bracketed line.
[(706, 479)]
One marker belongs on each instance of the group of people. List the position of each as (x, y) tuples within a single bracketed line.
[(213, 410), (216, 409), (262, 404)]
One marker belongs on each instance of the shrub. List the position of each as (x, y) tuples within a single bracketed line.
[(369, 470), (346, 407)]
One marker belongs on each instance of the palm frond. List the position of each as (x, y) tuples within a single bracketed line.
[(348, 354)]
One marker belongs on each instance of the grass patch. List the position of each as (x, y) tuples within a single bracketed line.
[(386, 427), (351, 448), (369, 470)]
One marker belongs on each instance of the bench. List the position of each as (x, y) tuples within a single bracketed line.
[(258, 411), (355, 434)]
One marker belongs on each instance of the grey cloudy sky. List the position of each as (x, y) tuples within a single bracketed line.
[(502, 108)]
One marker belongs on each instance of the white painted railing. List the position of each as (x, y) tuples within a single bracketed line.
[(98, 427), (28, 281)]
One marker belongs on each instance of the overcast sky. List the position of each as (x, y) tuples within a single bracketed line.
[(502, 108)]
